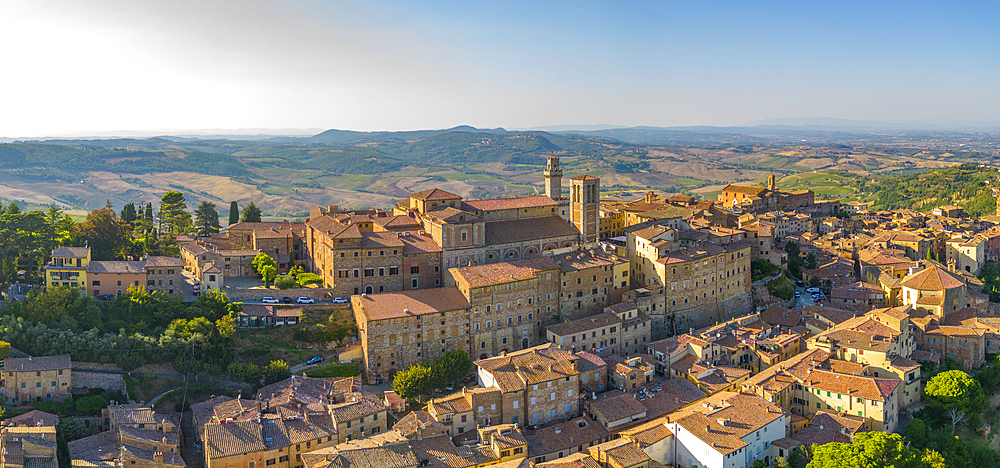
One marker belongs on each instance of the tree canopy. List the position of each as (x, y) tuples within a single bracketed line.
[(874, 449), (106, 234), (206, 219), (955, 389), (251, 214), (234, 213), (173, 213)]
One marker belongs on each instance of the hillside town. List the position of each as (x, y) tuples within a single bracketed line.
[(660, 331)]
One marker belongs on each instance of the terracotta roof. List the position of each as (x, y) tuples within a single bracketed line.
[(647, 434), (71, 252), (931, 279), (358, 405), (594, 322), (409, 303), (565, 435), (434, 194), (838, 422), (155, 261), (542, 363), (618, 407), (439, 452), (740, 414), (534, 201), (585, 177), (116, 266), (37, 363), (576, 460), (743, 189), (34, 418), (454, 403), (415, 422), (820, 436), (621, 452), (503, 272)]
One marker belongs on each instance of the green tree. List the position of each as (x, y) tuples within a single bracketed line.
[(276, 371), (5, 349), (412, 382), (306, 279), (173, 213), (267, 273), (261, 261), (243, 372), (955, 389), (206, 219), (811, 260), (129, 214), (455, 364), (251, 214), (285, 282), (92, 404), (234, 213), (916, 433), (868, 449), (105, 233), (226, 325)]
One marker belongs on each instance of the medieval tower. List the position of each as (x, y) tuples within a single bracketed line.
[(585, 192), (553, 178)]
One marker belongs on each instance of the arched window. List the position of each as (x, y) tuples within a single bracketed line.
[(369, 289)]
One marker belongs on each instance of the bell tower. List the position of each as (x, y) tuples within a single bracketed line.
[(771, 184), (553, 178), (585, 193)]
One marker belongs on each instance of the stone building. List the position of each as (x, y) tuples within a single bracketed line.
[(199, 256), (281, 240), (750, 199), (37, 378), (704, 282), (813, 382), (590, 280), (134, 435), (286, 420), (164, 274), (934, 290), (621, 330), (508, 302), (28, 446), (537, 385), (397, 330)]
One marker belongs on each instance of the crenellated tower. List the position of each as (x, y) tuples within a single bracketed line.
[(553, 178)]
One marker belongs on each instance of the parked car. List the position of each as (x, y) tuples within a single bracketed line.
[(450, 387), (812, 290), (339, 300), (469, 378), (799, 283), (305, 300), (817, 299), (314, 360), (106, 297), (438, 390), (798, 294), (269, 300), (196, 289)]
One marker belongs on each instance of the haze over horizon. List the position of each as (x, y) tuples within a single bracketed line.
[(98, 66)]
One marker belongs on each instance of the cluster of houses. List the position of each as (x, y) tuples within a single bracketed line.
[(621, 333)]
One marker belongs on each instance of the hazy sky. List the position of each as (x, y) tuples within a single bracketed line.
[(77, 65)]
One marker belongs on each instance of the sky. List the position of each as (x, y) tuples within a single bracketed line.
[(104, 66)]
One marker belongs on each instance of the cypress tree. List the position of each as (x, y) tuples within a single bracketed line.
[(234, 213)]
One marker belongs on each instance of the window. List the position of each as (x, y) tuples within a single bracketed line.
[(515, 404)]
